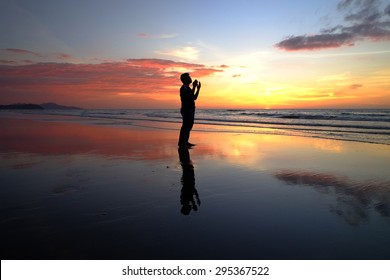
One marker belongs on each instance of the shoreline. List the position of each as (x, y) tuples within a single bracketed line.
[(201, 126), (96, 191)]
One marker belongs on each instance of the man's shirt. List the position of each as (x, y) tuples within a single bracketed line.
[(187, 98)]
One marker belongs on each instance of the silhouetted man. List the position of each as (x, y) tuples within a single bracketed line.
[(187, 97)]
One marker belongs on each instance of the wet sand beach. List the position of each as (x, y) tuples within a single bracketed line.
[(72, 190)]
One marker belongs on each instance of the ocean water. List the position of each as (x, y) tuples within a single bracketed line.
[(369, 126)]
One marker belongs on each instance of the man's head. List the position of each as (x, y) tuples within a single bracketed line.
[(186, 79)]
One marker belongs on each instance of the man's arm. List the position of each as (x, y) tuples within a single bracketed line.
[(197, 90)]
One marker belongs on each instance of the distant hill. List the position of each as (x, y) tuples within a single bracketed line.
[(47, 106)]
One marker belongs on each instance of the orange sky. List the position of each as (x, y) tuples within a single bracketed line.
[(133, 83), (154, 83)]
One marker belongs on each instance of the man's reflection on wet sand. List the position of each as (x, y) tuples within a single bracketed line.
[(354, 199), (189, 197)]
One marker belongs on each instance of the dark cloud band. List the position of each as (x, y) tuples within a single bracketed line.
[(363, 20)]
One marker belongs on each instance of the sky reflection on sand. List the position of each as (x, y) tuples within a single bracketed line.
[(250, 150), (47, 138), (273, 152), (95, 191), (354, 199)]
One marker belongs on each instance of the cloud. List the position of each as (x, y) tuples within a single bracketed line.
[(21, 51), (188, 53), (143, 35), (6, 61), (363, 19), (387, 10), (63, 55), (355, 86), (152, 36), (336, 77), (94, 84), (16, 55), (313, 42)]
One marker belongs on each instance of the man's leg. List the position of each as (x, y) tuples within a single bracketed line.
[(185, 128), (191, 119), (184, 135), (188, 123)]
